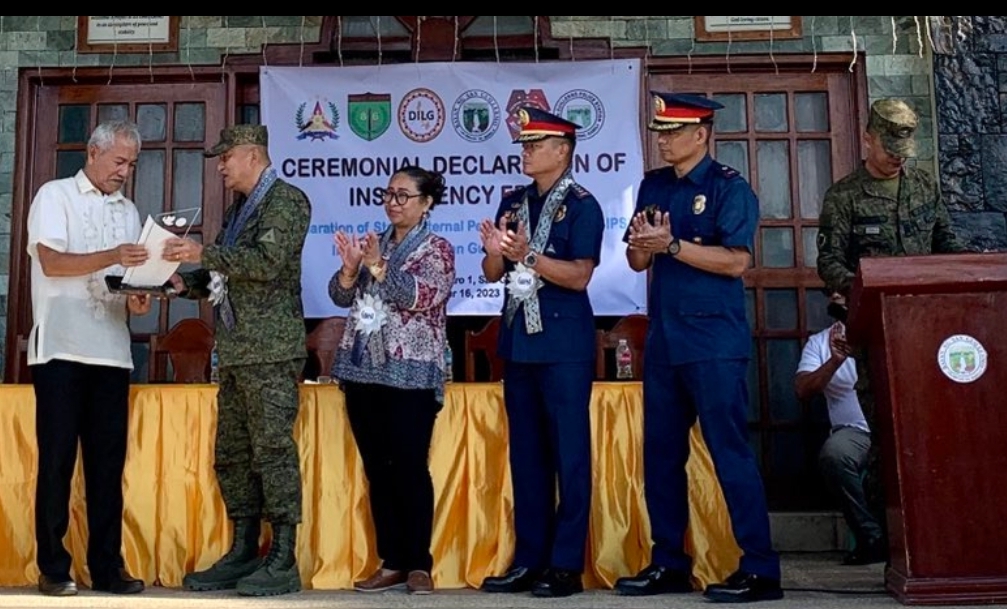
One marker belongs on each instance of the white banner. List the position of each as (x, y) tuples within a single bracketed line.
[(340, 133)]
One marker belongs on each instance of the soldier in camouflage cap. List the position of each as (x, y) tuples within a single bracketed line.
[(883, 208), (894, 123), (252, 274), (254, 135)]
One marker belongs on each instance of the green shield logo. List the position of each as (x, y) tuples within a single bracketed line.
[(370, 114)]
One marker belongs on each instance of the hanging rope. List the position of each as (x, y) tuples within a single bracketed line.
[(188, 44), (339, 40), (454, 54), (930, 36), (772, 26), (265, 41), (692, 48), (572, 58), (814, 46), (300, 60), (611, 38), (115, 52), (895, 38), (496, 45), (378, 30), (919, 34), (419, 35), (150, 53), (853, 35), (727, 58), (76, 33), (535, 42), (227, 51), (38, 28)]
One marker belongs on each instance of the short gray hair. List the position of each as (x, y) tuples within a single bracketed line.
[(103, 136)]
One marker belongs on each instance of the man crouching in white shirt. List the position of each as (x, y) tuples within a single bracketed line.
[(827, 368)]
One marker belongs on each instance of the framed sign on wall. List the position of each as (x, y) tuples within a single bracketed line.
[(127, 34), (761, 27)]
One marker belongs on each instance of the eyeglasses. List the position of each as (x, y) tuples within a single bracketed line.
[(401, 197)]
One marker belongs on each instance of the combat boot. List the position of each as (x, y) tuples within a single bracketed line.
[(241, 560), (278, 573)]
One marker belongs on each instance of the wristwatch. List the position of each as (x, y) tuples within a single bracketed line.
[(530, 259), (675, 246)]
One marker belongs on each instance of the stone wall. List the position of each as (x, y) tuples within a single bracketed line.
[(970, 80), (40, 41)]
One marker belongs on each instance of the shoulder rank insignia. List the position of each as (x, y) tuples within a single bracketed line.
[(579, 190), (699, 204), (729, 172)]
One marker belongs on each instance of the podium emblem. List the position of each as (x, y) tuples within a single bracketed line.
[(962, 358)]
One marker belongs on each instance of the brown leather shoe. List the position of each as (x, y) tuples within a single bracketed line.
[(419, 582), (382, 580)]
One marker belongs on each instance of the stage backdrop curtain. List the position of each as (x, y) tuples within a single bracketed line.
[(175, 521)]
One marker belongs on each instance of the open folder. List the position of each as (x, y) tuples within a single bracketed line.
[(152, 276)]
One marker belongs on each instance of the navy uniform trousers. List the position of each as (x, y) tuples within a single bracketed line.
[(548, 414), (715, 391)]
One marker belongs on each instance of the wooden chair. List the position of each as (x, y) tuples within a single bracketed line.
[(323, 341), (483, 341), (632, 328), (188, 346)]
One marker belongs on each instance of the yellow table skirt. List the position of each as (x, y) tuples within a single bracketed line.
[(175, 521)]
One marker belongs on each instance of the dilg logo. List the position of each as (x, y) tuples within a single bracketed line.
[(318, 126), (421, 115)]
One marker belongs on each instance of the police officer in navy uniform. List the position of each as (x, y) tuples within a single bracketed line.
[(545, 244), (694, 228)]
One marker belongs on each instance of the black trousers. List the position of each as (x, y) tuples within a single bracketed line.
[(392, 428), (75, 401)]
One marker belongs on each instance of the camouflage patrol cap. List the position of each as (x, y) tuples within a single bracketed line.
[(895, 123), (238, 135)]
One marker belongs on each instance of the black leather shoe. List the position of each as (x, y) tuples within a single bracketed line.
[(744, 587), (655, 580), (867, 553), (556, 583), (53, 586), (121, 582), (516, 579)]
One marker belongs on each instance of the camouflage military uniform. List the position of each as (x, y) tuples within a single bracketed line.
[(862, 218), (256, 459)]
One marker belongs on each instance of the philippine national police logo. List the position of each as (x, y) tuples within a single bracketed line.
[(319, 125), (475, 115), (421, 115), (370, 114), (519, 98), (699, 204), (584, 108)]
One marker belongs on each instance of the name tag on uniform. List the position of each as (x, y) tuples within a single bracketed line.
[(872, 230)]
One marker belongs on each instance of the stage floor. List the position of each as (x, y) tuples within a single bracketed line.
[(814, 579)]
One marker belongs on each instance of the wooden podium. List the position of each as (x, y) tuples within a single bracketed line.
[(935, 327)]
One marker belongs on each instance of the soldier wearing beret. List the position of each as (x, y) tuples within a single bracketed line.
[(252, 274), (883, 208), (546, 242), (694, 228)]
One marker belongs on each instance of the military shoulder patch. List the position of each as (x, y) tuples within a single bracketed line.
[(269, 236)]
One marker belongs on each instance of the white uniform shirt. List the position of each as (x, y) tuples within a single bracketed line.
[(77, 318), (840, 393)]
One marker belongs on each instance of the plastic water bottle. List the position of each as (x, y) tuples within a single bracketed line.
[(623, 360), (214, 365), (449, 364)]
